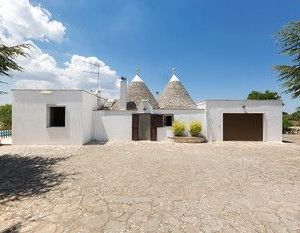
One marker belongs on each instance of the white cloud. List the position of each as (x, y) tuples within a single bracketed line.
[(43, 68), (20, 20), (74, 74), (34, 84)]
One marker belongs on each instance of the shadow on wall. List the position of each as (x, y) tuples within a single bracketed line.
[(27, 176)]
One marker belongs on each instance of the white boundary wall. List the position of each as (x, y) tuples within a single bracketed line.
[(117, 125), (271, 110), (112, 125), (186, 116)]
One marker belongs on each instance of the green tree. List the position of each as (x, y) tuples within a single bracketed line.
[(5, 116), (286, 124), (267, 95), (295, 116), (8, 55), (289, 39)]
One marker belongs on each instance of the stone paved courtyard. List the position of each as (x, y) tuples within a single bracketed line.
[(151, 187)]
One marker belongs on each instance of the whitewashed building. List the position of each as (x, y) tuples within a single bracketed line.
[(45, 117)]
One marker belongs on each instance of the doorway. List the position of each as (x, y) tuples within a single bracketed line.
[(144, 126)]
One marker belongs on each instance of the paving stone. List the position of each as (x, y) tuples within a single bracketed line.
[(115, 227), (154, 187), (95, 221), (46, 227), (151, 225), (137, 219)]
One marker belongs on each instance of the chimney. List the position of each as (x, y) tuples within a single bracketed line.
[(123, 94)]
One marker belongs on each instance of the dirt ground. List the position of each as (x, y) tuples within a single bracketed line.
[(288, 138), (151, 187)]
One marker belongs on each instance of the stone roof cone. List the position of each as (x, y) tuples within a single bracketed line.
[(175, 96), (137, 92)]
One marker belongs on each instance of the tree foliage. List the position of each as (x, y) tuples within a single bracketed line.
[(286, 124), (295, 116), (267, 95), (8, 55), (5, 116), (289, 39)]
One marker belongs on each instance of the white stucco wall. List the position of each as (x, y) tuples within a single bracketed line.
[(117, 125), (112, 125), (83, 123), (163, 133), (89, 103), (186, 116), (30, 117), (271, 110)]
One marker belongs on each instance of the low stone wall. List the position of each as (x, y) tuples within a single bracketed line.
[(188, 139)]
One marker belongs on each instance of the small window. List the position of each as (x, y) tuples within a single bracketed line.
[(57, 116), (168, 120)]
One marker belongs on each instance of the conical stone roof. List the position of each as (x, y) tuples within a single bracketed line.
[(136, 93), (175, 96)]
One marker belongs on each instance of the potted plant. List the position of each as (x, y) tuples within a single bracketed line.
[(178, 128), (194, 129)]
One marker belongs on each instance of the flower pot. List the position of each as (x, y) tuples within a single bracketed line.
[(200, 139)]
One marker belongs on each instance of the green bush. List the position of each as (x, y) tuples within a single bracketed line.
[(286, 124), (195, 128), (5, 116), (178, 128)]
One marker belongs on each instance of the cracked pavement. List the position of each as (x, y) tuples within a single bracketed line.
[(157, 187)]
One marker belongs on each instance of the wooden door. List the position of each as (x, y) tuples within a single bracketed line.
[(156, 121), (144, 126), (135, 127)]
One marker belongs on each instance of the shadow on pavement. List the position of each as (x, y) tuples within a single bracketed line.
[(13, 229), (286, 141), (22, 176), (95, 142)]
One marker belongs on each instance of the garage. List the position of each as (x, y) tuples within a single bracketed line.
[(242, 127)]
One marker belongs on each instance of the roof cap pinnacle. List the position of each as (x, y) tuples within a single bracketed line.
[(174, 77), (137, 77)]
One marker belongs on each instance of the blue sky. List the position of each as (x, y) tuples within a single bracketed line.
[(221, 49)]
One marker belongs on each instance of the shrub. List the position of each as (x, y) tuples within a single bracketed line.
[(286, 124), (178, 128), (5, 116), (195, 128)]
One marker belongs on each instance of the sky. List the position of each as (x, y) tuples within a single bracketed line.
[(221, 49)]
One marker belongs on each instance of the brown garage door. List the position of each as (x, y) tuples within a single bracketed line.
[(242, 127)]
